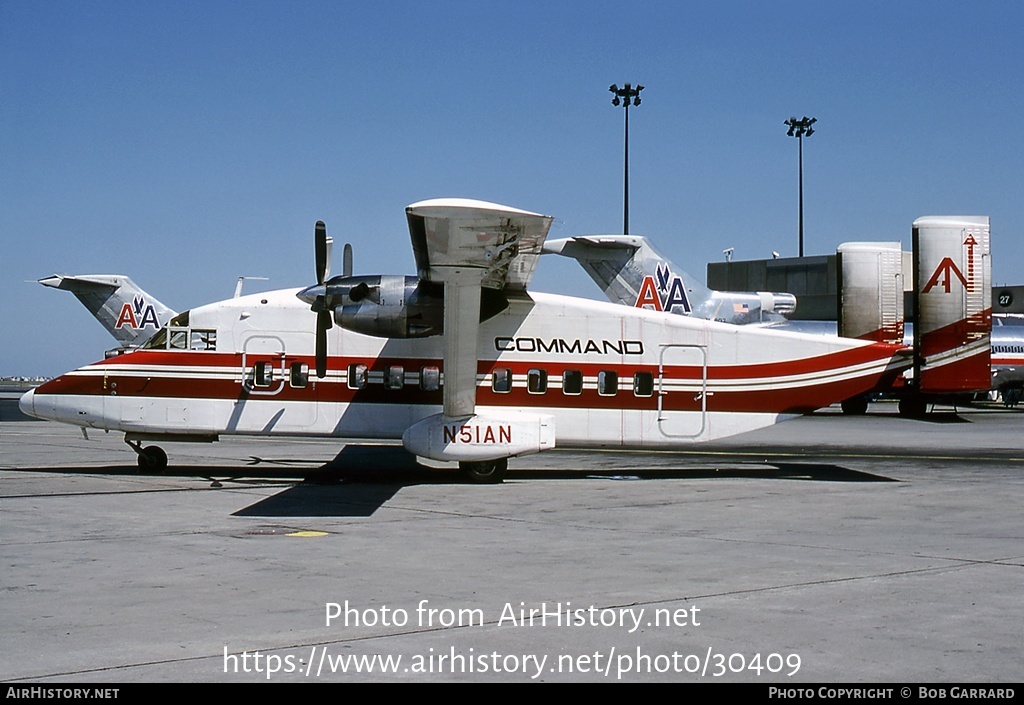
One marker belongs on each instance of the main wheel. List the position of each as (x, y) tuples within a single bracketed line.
[(152, 459), (857, 406), (486, 472), (913, 407)]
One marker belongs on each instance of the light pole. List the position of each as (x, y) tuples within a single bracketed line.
[(624, 96), (800, 129)]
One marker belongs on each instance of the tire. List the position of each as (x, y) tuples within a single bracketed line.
[(486, 472), (857, 406), (913, 407), (152, 459)]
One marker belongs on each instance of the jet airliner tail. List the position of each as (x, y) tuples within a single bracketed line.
[(127, 312), (631, 271)]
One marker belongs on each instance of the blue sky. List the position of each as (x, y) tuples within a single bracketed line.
[(188, 143)]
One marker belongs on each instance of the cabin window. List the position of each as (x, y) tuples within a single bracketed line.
[(298, 375), (430, 378), (202, 340), (356, 376), (572, 382), (643, 384), (263, 374), (607, 383), (537, 381), (501, 380), (394, 377)]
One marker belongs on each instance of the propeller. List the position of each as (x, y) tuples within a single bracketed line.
[(322, 245), (323, 296)]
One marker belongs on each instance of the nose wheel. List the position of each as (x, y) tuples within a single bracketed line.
[(151, 458)]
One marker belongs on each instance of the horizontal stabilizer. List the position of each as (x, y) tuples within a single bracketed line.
[(68, 282)]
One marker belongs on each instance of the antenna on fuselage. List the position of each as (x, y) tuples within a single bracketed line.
[(238, 286)]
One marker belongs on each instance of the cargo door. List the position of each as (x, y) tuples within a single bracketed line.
[(682, 391)]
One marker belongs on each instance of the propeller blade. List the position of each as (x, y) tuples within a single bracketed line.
[(347, 267), (322, 254), (323, 324)]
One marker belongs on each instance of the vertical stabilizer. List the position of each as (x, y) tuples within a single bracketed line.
[(871, 291), (953, 303), (127, 312), (631, 271)]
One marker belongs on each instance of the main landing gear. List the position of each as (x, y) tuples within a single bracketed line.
[(913, 407), (151, 458), (857, 406), (485, 472)]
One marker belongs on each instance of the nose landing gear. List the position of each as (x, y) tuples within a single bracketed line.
[(151, 458)]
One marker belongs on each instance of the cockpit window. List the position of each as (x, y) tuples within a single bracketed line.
[(179, 339), (177, 335), (202, 340), (158, 341)]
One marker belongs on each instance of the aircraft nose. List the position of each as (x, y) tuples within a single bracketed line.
[(27, 403)]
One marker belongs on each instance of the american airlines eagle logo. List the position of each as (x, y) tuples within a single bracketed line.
[(663, 292), (137, 314), (947, 270)]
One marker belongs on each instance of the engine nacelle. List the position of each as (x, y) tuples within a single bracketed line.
[(394, 306), (743, 307), (386, 306), (477, 437), (782, 303)]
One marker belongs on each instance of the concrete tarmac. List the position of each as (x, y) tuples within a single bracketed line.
[(826, 549)]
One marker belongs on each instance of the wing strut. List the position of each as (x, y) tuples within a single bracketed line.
[(462, 314)]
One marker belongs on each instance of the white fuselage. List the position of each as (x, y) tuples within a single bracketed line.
[(609, 375)]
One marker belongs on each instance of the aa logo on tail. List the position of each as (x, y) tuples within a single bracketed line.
[(663, 295), (947, 269), (137, 314)]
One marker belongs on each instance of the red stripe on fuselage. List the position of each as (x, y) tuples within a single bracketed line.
[(779, 396)]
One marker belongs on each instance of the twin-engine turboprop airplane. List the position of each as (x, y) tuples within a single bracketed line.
[(460, 362)]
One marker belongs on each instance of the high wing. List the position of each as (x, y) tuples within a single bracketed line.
[(503, 243), (467, 245)]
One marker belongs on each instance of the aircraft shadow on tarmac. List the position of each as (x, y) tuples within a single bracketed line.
[(360, 479)]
